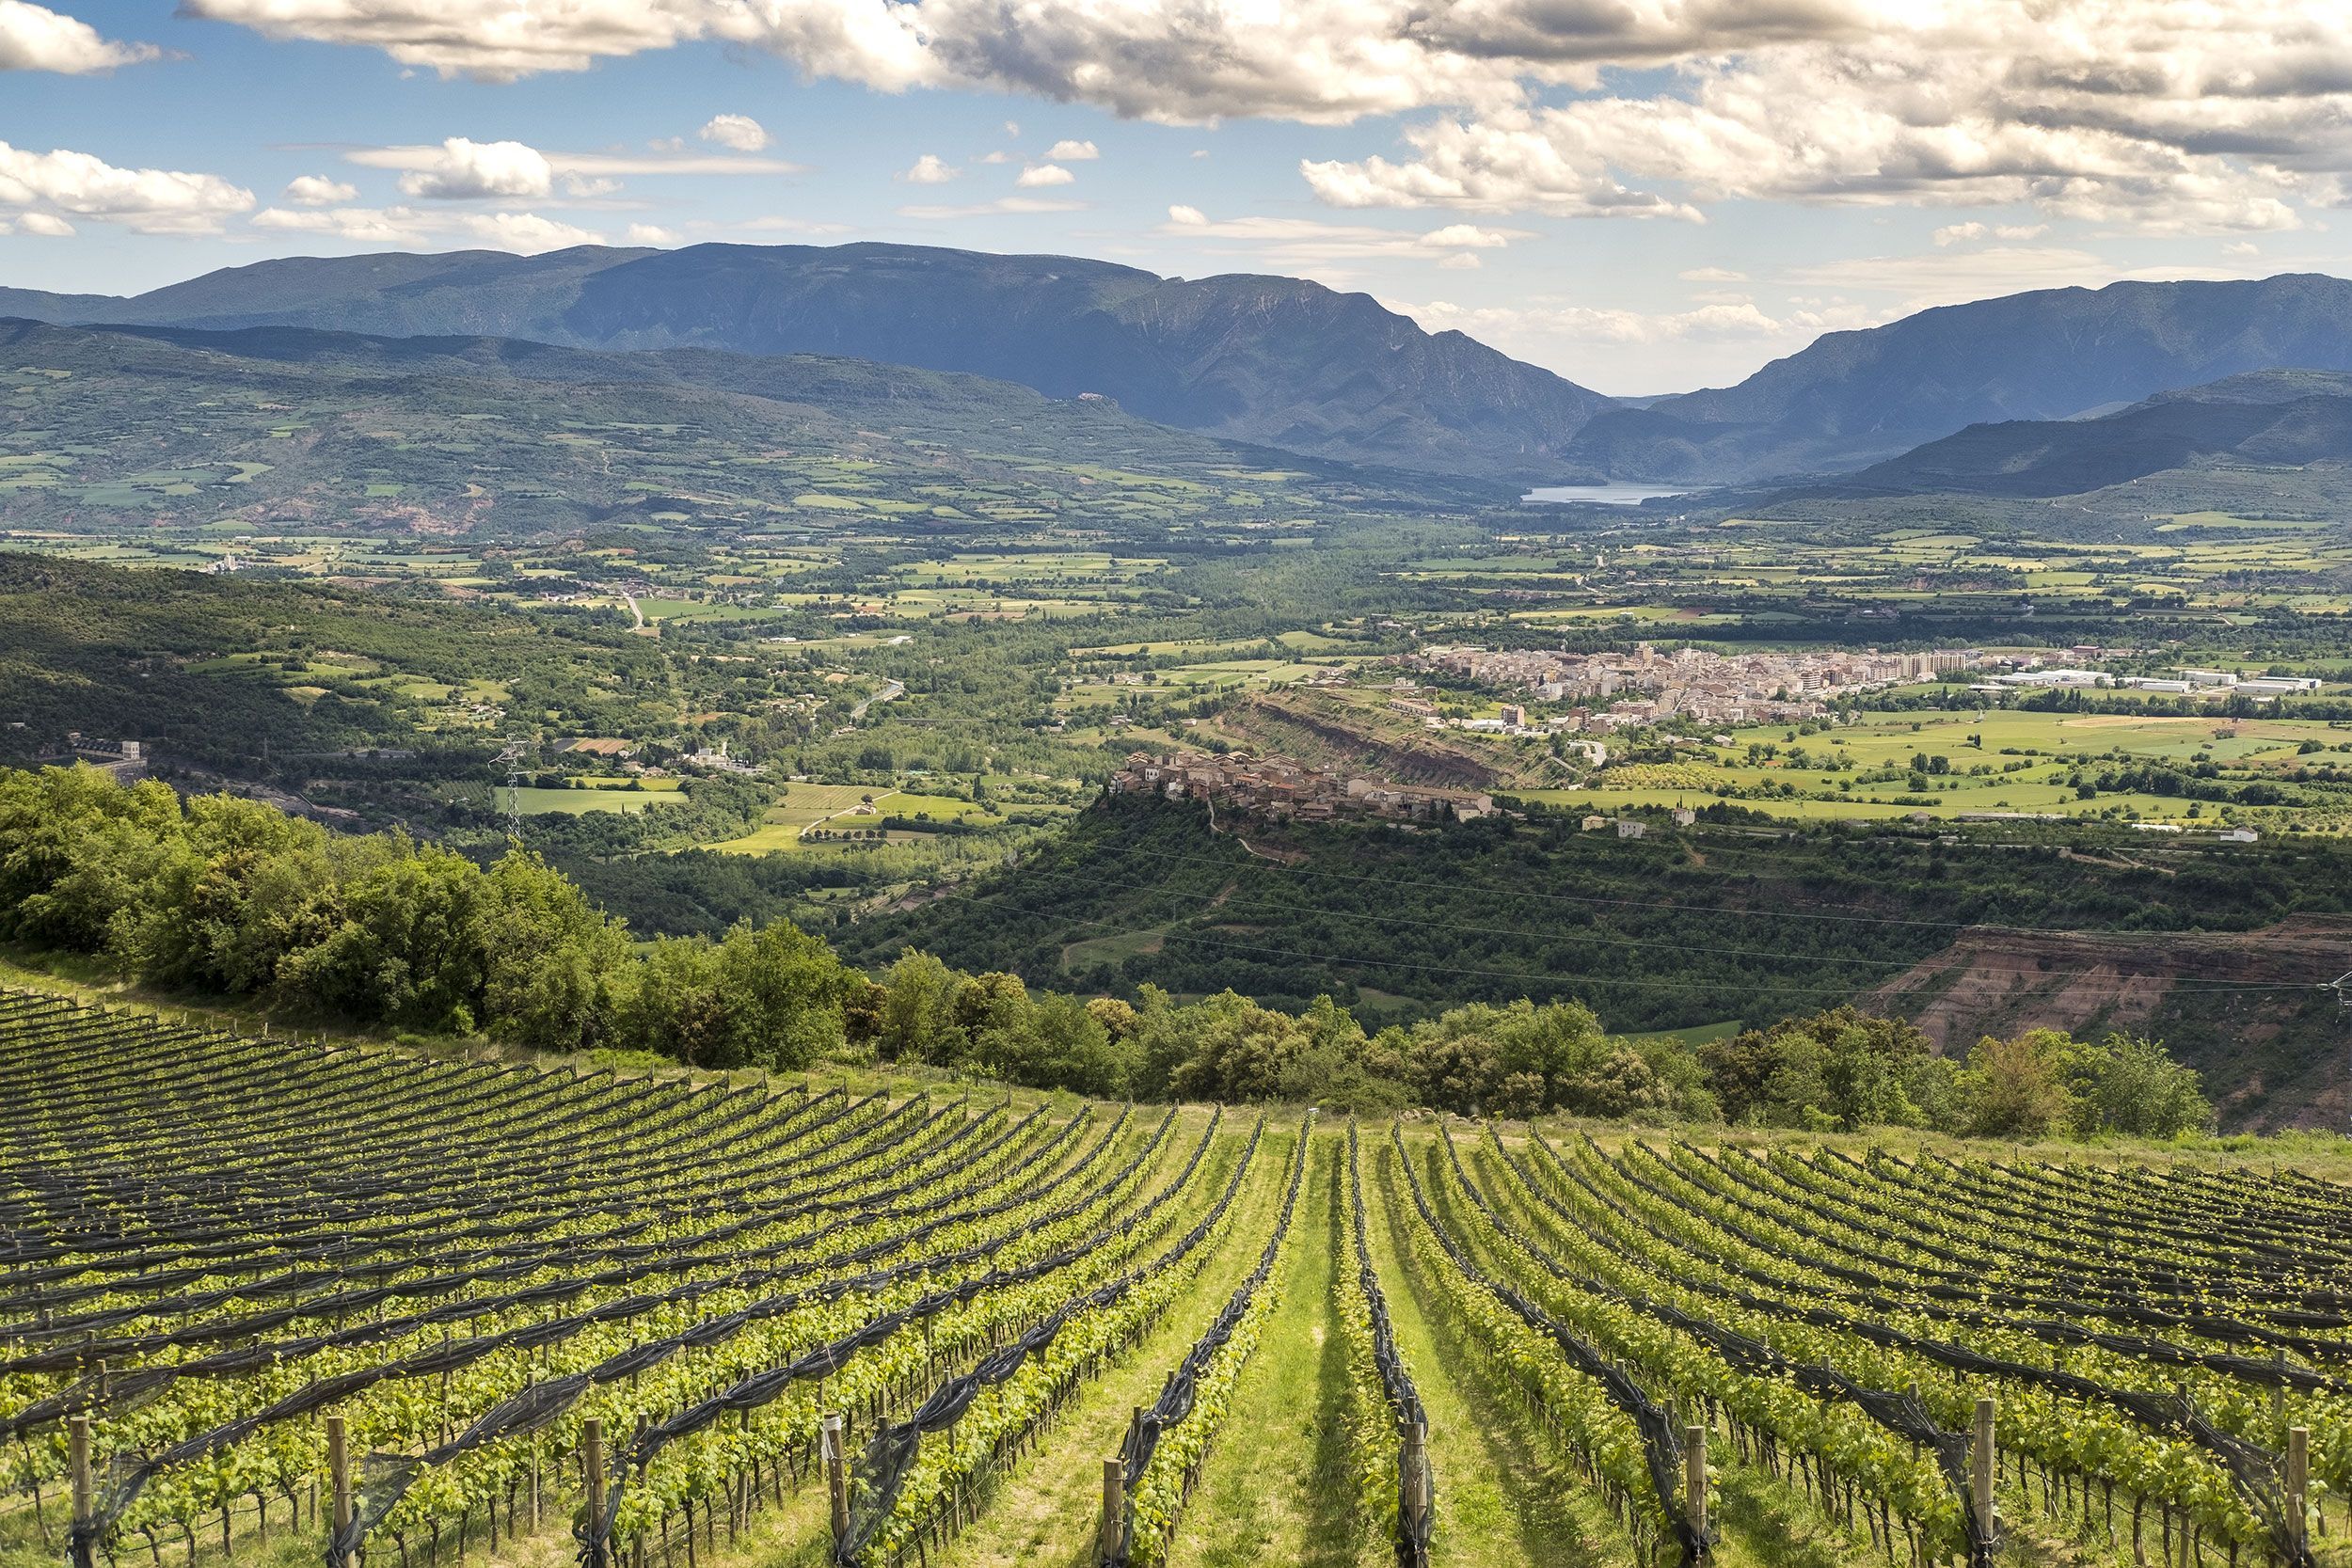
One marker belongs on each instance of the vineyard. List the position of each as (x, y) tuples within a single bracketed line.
[(284, 1304)]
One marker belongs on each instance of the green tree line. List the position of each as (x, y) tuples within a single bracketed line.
[(231, 896)]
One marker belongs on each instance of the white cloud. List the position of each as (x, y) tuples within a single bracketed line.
[(665, 157), (2241, 247), (150, 200), (47, 225), (317, 190), (1313, 245), (1015, 206), (1068, 151), (1583, 324), (1461, 260), (1044, 174), (589, 187), (527, 232), (472, 171), (1472, 237), (740, 131), (1950, 277), (1959, 234), (2148, 116), (390, 227), (930, 170), (998, 157), (410, 227), (33, 38), (1711, 275)]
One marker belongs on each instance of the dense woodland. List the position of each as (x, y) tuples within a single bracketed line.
[(221, 895)]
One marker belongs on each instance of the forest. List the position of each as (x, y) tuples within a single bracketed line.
[(219, 895)]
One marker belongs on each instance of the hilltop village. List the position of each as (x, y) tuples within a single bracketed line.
[(1284, 790)]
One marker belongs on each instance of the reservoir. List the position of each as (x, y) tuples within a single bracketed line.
[(1615, 492)]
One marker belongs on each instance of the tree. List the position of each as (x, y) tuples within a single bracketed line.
[(1060, 1043), (785, 994), (552, 959), (918, 1011), (2129, 1084), (407, 950), (2017, 1087), (1839, 1068)]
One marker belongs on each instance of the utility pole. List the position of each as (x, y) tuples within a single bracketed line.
[(511, 757)]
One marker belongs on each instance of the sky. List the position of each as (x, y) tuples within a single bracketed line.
[(1644, 196)]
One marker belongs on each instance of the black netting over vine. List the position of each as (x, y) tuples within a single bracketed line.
[(1414, 1524), (388, 1477), (882, 1469), (2254, 1472), (130, 1475), (1176, 1396), (1662, 1444)]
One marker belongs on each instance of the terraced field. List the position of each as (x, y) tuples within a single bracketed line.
[(285, 1302)]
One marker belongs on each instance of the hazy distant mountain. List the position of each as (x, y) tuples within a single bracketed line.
[(1273, 360), (2267, 418), (1855, 398)]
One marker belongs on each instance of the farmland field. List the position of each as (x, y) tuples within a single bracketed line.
[(229, 1256)]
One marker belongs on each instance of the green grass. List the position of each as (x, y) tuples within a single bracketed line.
[(1507, 1494), (1046, 1513), (1279, 1486)]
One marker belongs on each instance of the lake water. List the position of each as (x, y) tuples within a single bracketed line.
[(1615, 492)]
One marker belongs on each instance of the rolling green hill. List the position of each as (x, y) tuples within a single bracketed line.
[(1676, 930), (283, 426)]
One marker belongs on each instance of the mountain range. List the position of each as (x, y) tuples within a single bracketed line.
[(1852, 399), (1285, 363), (1277, 361), (2263, 419)]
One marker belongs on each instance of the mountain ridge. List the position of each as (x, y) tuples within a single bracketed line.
[(2285, 419), (1260, 359), (1855, 398)]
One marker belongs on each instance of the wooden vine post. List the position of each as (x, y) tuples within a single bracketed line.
[(836, 1474), (1413, 1459), (338, 1476), (592, 1458), (2298, 1485), (1114, 1510), (77, 1458), (1982, 1471), (1694, 1477)]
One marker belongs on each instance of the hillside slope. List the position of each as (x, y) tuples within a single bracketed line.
[(1724, 920), (290, 425), (2273, 1059), (1274, 361), (1855, 398), (2267, 418)]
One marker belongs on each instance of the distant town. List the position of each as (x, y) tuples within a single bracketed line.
[(1621, 690)]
